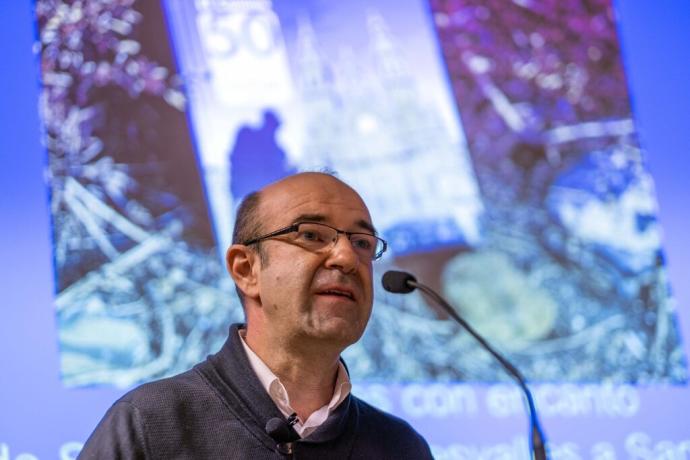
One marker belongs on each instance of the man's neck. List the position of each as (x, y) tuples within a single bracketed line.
[(308, 373)]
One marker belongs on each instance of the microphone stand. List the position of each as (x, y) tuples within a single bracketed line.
[(537, 439)]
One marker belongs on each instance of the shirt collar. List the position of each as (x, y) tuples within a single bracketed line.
[(277, 392)]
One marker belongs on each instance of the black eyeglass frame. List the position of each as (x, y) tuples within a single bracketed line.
[(294, 227)]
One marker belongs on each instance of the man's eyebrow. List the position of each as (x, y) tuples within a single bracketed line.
[(367, 226), (309, 218), (321, 218)]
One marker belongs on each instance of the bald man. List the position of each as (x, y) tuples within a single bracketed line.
[(301, 260)]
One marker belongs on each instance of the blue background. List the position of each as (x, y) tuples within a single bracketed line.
[(38, 416)]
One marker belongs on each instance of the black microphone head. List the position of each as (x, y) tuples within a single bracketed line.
[(398, 282), (279, 430)]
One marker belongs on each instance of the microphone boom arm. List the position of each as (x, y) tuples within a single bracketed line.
[(537, 441)]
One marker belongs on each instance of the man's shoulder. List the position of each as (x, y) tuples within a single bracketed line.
[(390, 430), (183, 416), (167, 393), (376, 415)]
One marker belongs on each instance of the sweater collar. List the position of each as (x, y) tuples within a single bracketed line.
[(231, 375)]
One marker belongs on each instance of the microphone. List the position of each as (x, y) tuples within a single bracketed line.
[(283, 434), (399, 282)]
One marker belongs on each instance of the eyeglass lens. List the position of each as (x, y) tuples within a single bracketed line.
[(315, 236)]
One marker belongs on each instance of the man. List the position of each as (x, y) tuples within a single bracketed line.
[(301, 260)]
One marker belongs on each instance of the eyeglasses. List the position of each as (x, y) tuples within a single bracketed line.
[(316, 237)]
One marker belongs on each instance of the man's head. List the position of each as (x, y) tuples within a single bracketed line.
[(289, 291)]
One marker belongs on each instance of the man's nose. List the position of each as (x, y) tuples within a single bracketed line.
[(342, 255)]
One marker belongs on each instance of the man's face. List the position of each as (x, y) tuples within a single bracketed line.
[(324, 295)]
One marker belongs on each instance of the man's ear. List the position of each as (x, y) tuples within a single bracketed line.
[(243, 265)]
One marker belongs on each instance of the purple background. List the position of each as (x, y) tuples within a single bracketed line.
[(37, 415)]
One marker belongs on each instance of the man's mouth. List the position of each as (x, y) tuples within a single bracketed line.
[(346, 293)]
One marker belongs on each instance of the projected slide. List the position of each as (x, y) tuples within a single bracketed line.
[(493, 142)]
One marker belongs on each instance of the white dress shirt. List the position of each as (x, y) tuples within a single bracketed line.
[(280, 397)]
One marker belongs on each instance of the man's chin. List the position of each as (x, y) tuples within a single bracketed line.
[(337, 330)]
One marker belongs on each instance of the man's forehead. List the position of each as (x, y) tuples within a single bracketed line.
[(313, 196)]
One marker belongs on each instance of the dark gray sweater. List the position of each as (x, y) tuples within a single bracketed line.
[(219, 410)]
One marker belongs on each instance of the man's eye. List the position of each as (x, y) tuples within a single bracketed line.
[(310, 235), (362, 243)]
